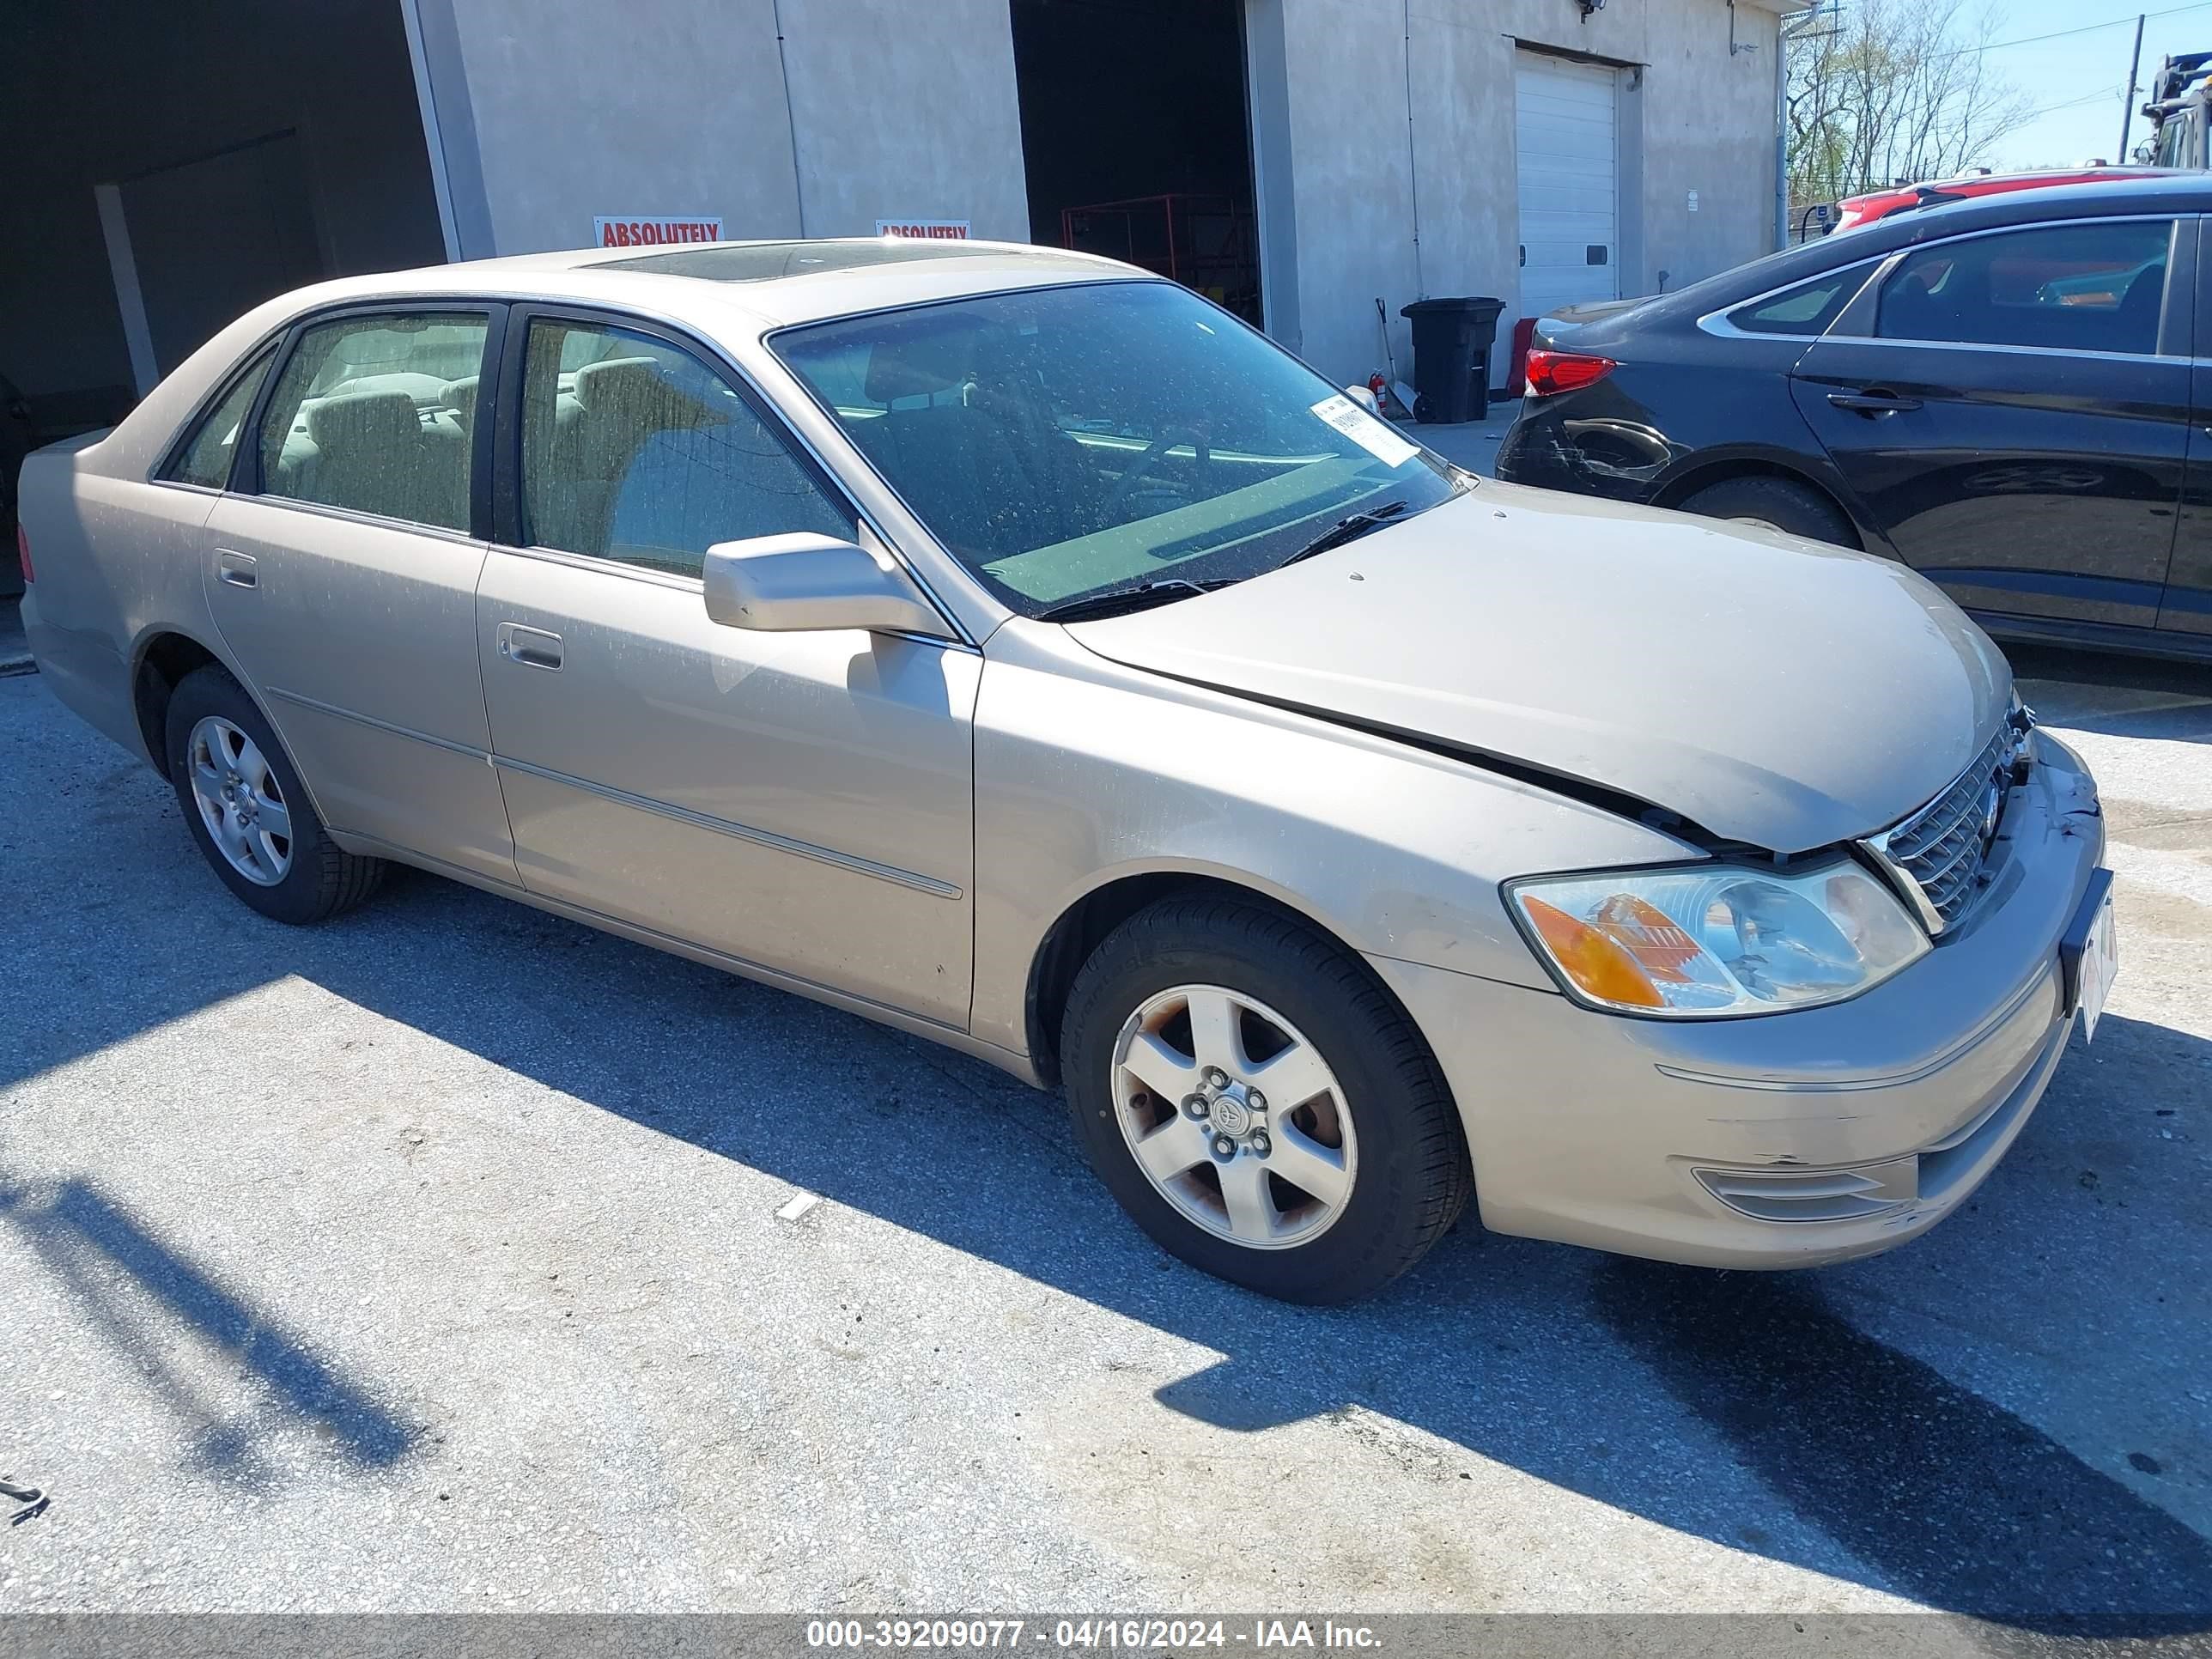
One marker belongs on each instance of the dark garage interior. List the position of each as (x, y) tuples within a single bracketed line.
[(175, 164), (1137, 139)]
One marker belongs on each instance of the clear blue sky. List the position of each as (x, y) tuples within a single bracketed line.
[(2075, 81)]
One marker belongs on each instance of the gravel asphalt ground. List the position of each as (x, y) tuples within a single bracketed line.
[(440, 1259)]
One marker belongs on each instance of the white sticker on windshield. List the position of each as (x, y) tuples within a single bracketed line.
[(1371, 435)]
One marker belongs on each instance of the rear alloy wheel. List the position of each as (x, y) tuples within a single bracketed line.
[(241, 803), (1770, 503), (1258, 1104), (245, 807)]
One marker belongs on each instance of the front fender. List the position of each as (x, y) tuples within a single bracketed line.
[(1087, 772)]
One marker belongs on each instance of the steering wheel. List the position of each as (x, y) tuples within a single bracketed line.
[(1126, 485)]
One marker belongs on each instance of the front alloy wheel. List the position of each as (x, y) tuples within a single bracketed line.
[(1234, 1116), (1258, 1103)]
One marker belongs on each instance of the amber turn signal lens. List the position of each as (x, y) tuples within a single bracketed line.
[(1599, 964)]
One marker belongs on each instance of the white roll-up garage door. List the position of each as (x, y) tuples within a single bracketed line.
[(1565, 126)]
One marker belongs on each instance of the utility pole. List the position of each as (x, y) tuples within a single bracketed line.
[(2128, 97), (1783, 35)]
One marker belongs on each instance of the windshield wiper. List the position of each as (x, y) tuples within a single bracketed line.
[(1348, 529), (1118, 601)]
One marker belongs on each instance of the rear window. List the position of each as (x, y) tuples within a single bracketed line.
[(1809, 308), (373, 414), (206, 458)]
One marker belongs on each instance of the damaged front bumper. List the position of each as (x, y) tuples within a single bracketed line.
[(1787, 1140)]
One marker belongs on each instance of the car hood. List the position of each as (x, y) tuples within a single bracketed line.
[(1770, 691)]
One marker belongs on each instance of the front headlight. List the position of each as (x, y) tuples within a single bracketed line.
[(1719, 939)]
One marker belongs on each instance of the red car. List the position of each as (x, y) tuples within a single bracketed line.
[(1856, 210)]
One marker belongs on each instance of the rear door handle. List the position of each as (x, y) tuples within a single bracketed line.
[(236, 568), (1874, 402), (533, 647)]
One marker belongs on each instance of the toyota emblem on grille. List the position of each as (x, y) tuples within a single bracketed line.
[(1992, 808)]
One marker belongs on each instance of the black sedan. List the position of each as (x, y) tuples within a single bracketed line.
[(2013, 395)]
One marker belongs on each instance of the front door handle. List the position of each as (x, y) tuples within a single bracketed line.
[(236, 568), (1872, 402), (533, 647)]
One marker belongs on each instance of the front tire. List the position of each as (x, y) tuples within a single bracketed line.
[(244, 804), (1257, 1102)]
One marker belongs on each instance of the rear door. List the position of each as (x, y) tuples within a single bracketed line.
[(2012, 409), (342, 573), (2187, 606)]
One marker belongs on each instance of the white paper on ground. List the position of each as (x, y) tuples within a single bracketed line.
[(798, 1206)]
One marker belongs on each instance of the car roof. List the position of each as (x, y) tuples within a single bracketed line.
[(1903, 199), (765, 285), (2169, 191)]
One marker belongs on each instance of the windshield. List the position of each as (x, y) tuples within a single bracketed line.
[(1070, 441)]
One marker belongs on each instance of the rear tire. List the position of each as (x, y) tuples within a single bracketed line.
[(1327, 1192), (236, 785), (1771, 504)]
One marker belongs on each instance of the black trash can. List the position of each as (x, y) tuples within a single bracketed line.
[(1451, 356)]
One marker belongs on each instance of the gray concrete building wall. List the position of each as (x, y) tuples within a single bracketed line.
[(1384, 134), (783, 117), (906, 111), (576, 108), (1708, 125), (1389, 105)]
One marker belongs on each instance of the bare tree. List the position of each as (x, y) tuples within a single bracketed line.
[(1885, 92)]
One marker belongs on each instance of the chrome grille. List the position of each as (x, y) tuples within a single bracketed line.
[(1936, 855)]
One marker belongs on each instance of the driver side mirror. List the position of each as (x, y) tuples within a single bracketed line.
[(804, 582)]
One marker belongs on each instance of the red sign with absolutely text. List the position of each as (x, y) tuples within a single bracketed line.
[(654, 232)]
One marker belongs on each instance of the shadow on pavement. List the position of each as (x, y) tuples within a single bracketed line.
[(115, 1268), (2116, 695), (1810, 1442), (1555, 1361), (1959, 1503)]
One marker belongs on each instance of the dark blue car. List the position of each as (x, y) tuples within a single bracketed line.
[(2013, 395)]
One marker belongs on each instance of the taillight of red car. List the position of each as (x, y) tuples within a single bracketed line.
[(1551, 371), (23, 551)]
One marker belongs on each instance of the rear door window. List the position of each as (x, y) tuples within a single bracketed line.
[(373, 414), (2096, 285), (1807, 309), (635, 450), (206, 456)]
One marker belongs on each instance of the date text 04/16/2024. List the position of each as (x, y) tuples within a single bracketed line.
[(1137, 1635)]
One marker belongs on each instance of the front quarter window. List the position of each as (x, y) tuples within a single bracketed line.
[(1067, 441)]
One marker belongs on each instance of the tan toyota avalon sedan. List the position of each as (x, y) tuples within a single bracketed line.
[(1016, 648)]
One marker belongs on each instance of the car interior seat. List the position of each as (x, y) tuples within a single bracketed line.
[(619, 404), (964, 455), (371, 453), (722, 479), (2133, 325)]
